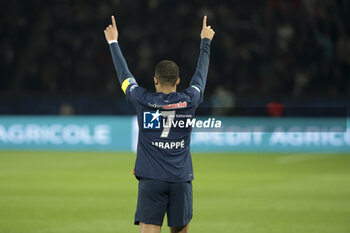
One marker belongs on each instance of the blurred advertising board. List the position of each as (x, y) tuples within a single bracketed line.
[(120, 134), (65, 133), (277, 134)]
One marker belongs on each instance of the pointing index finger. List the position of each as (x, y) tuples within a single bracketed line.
[(204, 21), (113, 22)]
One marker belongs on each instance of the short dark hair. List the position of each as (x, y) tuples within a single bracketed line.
[(167, 72)]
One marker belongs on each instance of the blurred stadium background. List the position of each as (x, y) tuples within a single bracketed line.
[(279, 73)]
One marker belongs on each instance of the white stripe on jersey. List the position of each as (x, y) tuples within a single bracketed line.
[(195, 87)]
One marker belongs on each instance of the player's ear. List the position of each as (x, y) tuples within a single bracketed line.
[(178, 81), (155, 80)]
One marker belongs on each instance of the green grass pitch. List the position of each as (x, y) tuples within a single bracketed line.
[(90, 192)]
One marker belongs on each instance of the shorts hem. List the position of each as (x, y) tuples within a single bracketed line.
[(138, 177), (180, 225), (137, 222)]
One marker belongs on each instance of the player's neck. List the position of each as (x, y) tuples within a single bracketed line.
[(166, 89)]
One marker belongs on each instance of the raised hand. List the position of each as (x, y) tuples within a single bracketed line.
[(207, 32), (111, 32)]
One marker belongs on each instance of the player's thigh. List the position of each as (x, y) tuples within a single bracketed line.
[(149, 228), (182, 229), (180, 206)]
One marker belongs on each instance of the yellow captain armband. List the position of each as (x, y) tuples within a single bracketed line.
[(128, 82)]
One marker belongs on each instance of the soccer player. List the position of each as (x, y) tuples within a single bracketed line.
[(163, 164)]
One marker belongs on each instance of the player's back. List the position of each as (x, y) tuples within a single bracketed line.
[(165, 123), (163, 151)]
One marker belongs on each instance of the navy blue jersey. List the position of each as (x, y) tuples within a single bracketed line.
[(163, 151), (164, 120)]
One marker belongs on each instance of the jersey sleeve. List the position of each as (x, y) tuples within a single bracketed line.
[(120, 64), (134, 93), (194, 94), (199, 78), (127, 84)]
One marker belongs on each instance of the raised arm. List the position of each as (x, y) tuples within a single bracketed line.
[(123, 72), (199, 78)]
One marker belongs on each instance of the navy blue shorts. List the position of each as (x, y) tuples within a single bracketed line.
[(156, 198)]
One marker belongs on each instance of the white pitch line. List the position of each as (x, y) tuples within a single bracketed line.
[(296, 158)]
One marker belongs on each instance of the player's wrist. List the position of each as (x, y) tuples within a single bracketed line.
[(112, 41), (206, 40)]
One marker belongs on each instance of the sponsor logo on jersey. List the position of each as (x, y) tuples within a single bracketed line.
[(175, 105), (169, 106)]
